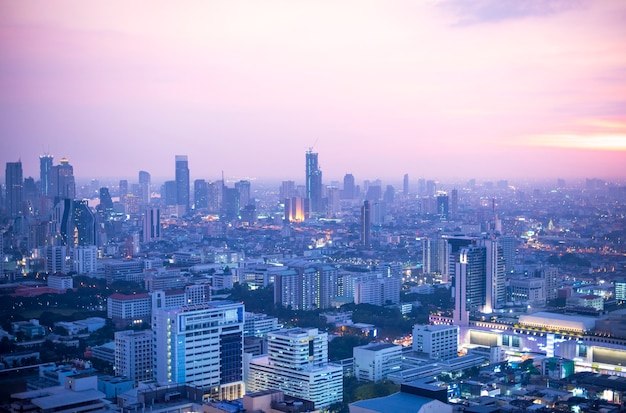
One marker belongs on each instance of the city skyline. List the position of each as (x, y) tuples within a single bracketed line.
[(442, 89)]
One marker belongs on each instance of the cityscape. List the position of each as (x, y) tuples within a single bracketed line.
[(275, 206), (307, 295)]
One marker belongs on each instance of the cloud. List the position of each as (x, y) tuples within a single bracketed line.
[(470, 12)]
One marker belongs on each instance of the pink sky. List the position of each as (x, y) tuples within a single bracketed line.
[(439, 89)]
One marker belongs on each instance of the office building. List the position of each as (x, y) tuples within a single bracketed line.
[(366, 225), (294, 209), (258, 325), (442, 206), (60, 282), (123, 190), (454, 204), (14, 188), (380, 291), (405, 186), (313, 182), (349, 189), (182, 181), (75, 223), (56, 259), (200, 194), (201, 345), (230, 203), (287, 189), (479, 279), (64, 184), (134, 356), (126, 310), (145, 189), (243, 187), (439, 342), (45, 175), (84, 259), (151, 225), (297, 364), (375, 361)]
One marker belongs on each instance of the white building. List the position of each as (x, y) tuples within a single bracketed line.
[(440, 342), (201, 345), (297, 364), (134, 355), (60, 282), (85, 259), (56, 259), (258, 325), (129, 309), (379, 291), (374, 362)]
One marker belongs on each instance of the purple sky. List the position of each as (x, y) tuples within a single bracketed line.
[(439, 89)]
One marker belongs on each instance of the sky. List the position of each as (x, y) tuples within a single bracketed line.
[(442, 89)]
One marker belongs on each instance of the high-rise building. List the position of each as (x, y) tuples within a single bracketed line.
[(168, 193), (454, 203), (84, 259), (294, 209), (65, 184), (365, 225), (349, 190), (14, 188), (201, 345), (200, 194), (313, 182), (230, 203), (305, 286), (75, 223), (508, 249), (182, 181), (440, 342), (145, 189), (123, 190), (45, 175), (442, 206), (430, 256), (405, 186), (297, 364), (479, 280), (287, 189), (134, 356), (334, 207), (151, 225), (243, 187)]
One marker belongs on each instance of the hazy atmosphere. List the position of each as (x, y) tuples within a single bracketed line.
[(451, 88)]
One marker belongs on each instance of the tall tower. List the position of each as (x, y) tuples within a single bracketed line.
[(200, 194), (365, 224), (182, 181), (313, 182), (144, 187), (348, 187), (405, 186), (243, 187), (152, 225), (45, 175), (14, 188), (65, 184)]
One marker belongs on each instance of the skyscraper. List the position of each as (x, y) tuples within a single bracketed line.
[(405, 185), (182, 181), (442, 206), (365, 224), (144, 187), (348, 187), (65, 184), (200, 194), (313, 182), (123, 190), (14, 188), (152, 225), (243, 187), (45, 175), (479, 279)]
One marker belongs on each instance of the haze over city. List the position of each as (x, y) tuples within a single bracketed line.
[(445, 89)]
